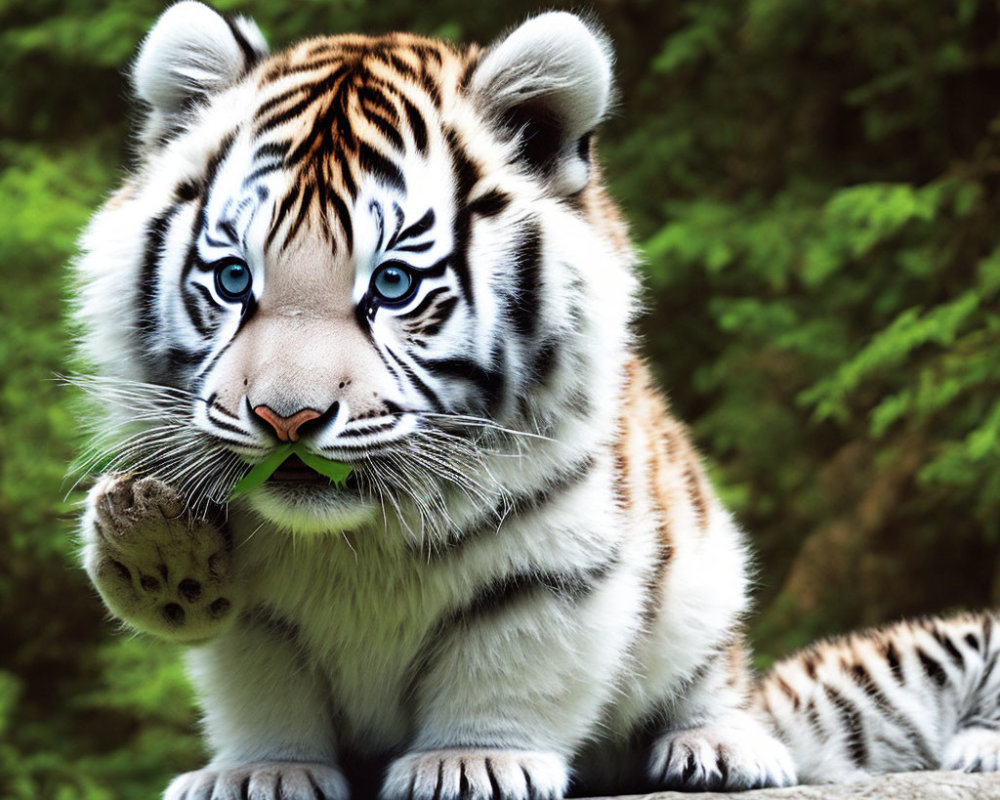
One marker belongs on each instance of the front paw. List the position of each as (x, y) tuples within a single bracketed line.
[(155, 568), (476, 775), (268, 780), (720, 758)]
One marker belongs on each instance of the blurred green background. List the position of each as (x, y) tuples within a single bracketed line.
[(814, 184)]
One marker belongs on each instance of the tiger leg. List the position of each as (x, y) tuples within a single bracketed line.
[(506, 695), (713, 741), (157, 569), (267, 719)]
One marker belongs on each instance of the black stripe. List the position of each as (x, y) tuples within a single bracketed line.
[(442, 314), (429, 298), (191, 305), (501, 594), (490, 204), (382, 168), (850, 719), (148, 289), (201, 217), (416, 248), (226, 426), (344, 217), (304, 203), (949, 646), (555, 484), (466, 176), (250, 56), (892, 658), (418, 228), (404, 69), (389, 132), (430, 395), (417, 125), (932, 668), (375, 97), (524, 307), (277, 100), (280, 213), (863, 678), (489, 382)]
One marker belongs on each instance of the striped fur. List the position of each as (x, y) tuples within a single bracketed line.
[(916, 695), (528, 583)]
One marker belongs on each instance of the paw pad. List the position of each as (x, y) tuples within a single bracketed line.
[(155, 568)]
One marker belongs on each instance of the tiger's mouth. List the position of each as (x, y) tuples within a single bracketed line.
[(294, 470)]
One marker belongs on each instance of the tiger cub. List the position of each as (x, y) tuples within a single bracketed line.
[(399, 254)]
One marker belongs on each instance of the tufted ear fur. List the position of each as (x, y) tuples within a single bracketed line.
[(548, 83), (191, 52)]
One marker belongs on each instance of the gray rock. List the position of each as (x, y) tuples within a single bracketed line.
[(901, 786)]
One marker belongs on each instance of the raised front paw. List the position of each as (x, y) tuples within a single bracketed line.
[(476, 775), (266, 780), (720, 758), (158, 570)]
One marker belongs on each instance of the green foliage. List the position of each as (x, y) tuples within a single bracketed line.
[(815, 187)]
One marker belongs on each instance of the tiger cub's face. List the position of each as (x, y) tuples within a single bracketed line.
[(370, 246)]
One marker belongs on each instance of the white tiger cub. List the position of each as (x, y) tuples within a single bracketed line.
[(399, 255)]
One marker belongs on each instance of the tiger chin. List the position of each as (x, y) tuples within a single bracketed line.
[(399, 254)]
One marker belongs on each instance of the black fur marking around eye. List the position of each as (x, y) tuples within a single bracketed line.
[(424, 304), (201, 218), (205, 327)]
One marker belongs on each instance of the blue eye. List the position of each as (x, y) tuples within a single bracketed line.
[(393, 282), (233, 280)]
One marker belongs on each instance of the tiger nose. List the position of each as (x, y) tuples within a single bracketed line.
[(287, 428)]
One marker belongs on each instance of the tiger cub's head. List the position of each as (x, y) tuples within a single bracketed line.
[(390, 250)]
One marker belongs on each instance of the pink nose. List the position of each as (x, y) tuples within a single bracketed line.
[(287, 428)]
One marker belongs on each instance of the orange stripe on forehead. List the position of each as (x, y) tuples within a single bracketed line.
[(350, 106)]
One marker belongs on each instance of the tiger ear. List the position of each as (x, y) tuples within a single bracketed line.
[(190, 53), (549, 84)]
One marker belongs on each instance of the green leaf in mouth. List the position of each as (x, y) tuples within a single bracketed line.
[(336, 471)]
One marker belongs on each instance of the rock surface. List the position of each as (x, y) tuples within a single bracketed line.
[(902, 786)]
